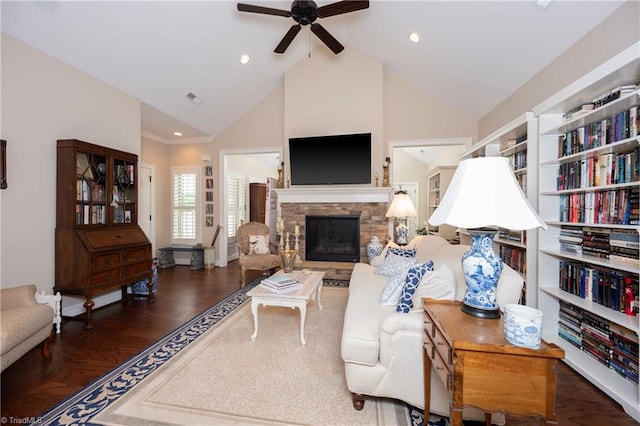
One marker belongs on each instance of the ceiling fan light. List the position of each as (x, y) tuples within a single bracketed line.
[(244, 59), (414, 37)]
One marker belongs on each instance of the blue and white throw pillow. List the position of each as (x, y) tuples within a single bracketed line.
[(412, 280), (404, 252), (394, 264), (393, 289)]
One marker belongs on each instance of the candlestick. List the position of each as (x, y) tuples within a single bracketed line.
[(286, 242)]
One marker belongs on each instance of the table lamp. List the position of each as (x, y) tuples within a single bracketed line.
[(482, 196), (401, 207)]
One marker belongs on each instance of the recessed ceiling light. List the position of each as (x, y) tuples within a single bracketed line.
[(244, 59), (542, 4), (177, 134), (414, 37), (194, 98)]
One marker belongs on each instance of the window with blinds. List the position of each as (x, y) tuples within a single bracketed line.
[(235, 203), (184, 202)]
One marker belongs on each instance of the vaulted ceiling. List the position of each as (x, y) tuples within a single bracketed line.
[(472, 54)]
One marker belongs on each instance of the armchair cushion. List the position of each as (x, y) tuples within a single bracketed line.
[(259, 244)]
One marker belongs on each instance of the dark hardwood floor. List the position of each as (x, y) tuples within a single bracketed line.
[(31, 385)]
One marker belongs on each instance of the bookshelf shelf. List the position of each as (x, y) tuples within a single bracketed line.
[(559, 151)]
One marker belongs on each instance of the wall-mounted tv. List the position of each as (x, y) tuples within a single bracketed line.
[(330, 160)]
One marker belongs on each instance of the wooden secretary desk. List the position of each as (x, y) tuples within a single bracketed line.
[(479, 368), (99, 245)]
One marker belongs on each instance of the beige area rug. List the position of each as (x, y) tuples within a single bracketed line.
[(225, 378)]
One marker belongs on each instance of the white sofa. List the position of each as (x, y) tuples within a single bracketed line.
[(382, 349)]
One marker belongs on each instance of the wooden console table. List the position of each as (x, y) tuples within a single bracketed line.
[(479, 368)]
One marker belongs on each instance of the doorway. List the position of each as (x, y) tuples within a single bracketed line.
[(246, 166), (146, 188), (411, 162)]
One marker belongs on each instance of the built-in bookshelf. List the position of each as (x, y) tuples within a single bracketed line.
[(588, 197), (438, 181), (516, 248)]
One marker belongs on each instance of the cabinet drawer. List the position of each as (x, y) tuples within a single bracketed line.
[(429, 325), (442, 369), (106, 261), (429, 347), (443, 348), (136, 255), (137, 268), (106, 276)]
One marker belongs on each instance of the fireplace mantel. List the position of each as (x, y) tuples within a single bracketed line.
[(335, 195)]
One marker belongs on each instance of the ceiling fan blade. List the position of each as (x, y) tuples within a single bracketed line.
[(287, 39), (242, 7), (327, 38), (341, 7)]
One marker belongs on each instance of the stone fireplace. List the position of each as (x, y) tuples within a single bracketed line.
[(369, 204)]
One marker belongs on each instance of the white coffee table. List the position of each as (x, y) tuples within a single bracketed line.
[(311, 289)]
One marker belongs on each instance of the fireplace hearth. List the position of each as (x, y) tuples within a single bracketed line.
[(333, 238)]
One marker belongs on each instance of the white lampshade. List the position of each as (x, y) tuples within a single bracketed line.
[(484, 193), (401, 206)]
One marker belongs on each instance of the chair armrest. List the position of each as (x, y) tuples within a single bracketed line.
[(16, 297)]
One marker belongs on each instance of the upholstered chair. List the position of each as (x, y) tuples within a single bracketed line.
[(255, 252)]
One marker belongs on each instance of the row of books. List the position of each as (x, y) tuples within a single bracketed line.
[(605, 169), (510, 235), (87, 192), (614, 93), (621, 207), (607, 287), (515, 257), (618, 127), (610, 344), (88, 215), (281, 283), (518, 160), (618, 245)]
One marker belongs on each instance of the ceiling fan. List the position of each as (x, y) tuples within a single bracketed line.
[(305, 12)]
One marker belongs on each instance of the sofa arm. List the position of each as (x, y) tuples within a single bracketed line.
[(16, 297), (396, 330)]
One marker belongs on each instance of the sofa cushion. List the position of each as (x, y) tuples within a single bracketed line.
[(394, 264), (391, 292), (438, 283), (376, 261), (400, 251), (412, 280)]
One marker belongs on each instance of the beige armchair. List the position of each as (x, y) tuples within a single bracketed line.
[(254, 250)]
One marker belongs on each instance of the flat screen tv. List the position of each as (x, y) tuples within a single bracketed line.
[(330, 160)]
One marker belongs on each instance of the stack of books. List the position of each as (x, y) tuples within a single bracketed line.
[(281, 283), (625, 245)]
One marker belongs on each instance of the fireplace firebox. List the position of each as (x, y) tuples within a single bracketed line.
[(332, 238)]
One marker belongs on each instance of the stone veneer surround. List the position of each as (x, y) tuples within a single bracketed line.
[(370, 203)]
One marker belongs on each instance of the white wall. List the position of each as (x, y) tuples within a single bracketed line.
[(44, 100), (329, 94), (610, 37)]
